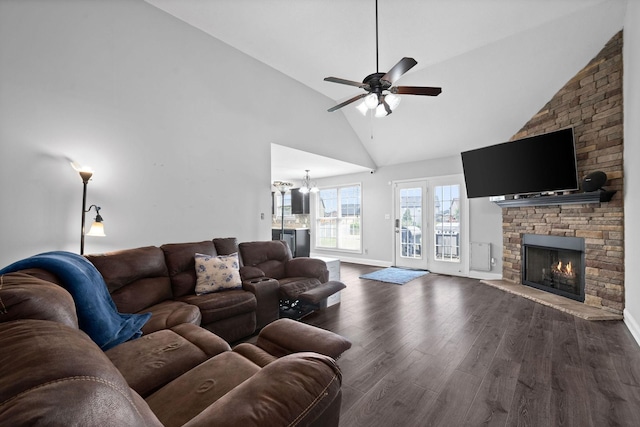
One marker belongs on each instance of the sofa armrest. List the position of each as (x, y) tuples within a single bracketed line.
[(286, 336), (312, 392), (248, 272), (267, 297), (26, 296), (307, 267)]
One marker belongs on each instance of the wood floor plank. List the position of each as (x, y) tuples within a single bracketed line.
[(569, 395), (483, 350), (449, 409), (393, 400), (530, 405), (513, 341), (449, 351), (491, 404), (611, 404)]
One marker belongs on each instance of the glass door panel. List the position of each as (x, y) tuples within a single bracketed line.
[(410, 224), (446, 204), (448, 231)]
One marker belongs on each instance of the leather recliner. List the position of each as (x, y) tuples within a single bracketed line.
[(303, 282)]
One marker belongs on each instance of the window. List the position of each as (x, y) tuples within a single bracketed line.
[(446, 204), (338, 218)]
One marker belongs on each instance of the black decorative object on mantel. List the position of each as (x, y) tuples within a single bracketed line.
[(563, 199), (594, 181)]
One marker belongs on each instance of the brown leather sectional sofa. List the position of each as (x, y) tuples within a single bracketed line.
[(177, 373), (161, 280)]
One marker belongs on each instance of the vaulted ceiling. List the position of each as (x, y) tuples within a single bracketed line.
[(497, 61)]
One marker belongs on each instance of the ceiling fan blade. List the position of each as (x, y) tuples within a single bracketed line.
[(345, 82), (416, 90), (386, 106), (347, 102), (404, 65)]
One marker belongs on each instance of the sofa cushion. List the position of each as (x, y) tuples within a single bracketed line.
[(193, 392), (254, 353), (154, 360), (222, 305), (233, 329), (136, 278), (180, 261), (269, 256), (171, 313), (301, 389), (291, 287), (217, 273), (226, 245)]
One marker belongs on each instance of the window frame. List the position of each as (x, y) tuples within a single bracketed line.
[(338, 219)]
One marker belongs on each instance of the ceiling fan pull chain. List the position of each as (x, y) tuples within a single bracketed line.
[(371, 121)]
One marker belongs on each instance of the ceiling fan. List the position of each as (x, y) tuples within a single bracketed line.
[(380, 94)]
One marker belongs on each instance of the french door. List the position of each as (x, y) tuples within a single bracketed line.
[(431, 225), (448, 231), (410, 221)]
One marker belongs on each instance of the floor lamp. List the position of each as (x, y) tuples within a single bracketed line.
[(97, 228), (282, 187)]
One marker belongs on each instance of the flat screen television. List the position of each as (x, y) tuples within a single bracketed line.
[(538, 164)]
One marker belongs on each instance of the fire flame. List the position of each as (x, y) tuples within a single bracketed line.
[(565, 270)]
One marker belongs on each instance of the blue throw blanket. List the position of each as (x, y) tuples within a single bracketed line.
[(97, 313)]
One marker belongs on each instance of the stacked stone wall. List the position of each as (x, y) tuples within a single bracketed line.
[(591, 103)]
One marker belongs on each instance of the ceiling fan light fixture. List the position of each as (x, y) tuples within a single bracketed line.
[(362, 107), (381, 111), (379, 83), (393, 100), (371, 101)]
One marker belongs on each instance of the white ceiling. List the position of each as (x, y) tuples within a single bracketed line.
[(286, 161), (497, 61)]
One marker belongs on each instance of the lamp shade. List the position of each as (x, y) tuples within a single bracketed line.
[(393, 100), (282, 186), (362, 107), (371, 101), (97, 229), (381, 111)]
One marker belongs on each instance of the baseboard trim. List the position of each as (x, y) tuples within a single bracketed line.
[(632, 324), (483, 275), (363, 261)]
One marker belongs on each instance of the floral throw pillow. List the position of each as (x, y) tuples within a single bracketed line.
[(217, 273)]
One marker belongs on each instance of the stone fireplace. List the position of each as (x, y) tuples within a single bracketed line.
[(591, 102), (554, 264)]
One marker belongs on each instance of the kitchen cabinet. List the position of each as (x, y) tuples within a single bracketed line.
[(299, 202), (299, 240), (295, 203)]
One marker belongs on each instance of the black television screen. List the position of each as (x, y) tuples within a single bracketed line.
[(537, 164)]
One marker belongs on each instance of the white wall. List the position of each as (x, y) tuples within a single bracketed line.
[(632, 167), (485, 219), (176, 125)]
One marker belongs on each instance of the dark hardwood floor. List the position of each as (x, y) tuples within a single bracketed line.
[(450, 351)]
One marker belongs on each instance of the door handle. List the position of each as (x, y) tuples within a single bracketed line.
[(397, 225)]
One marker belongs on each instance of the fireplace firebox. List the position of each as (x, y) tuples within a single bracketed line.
[(554, 264)]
